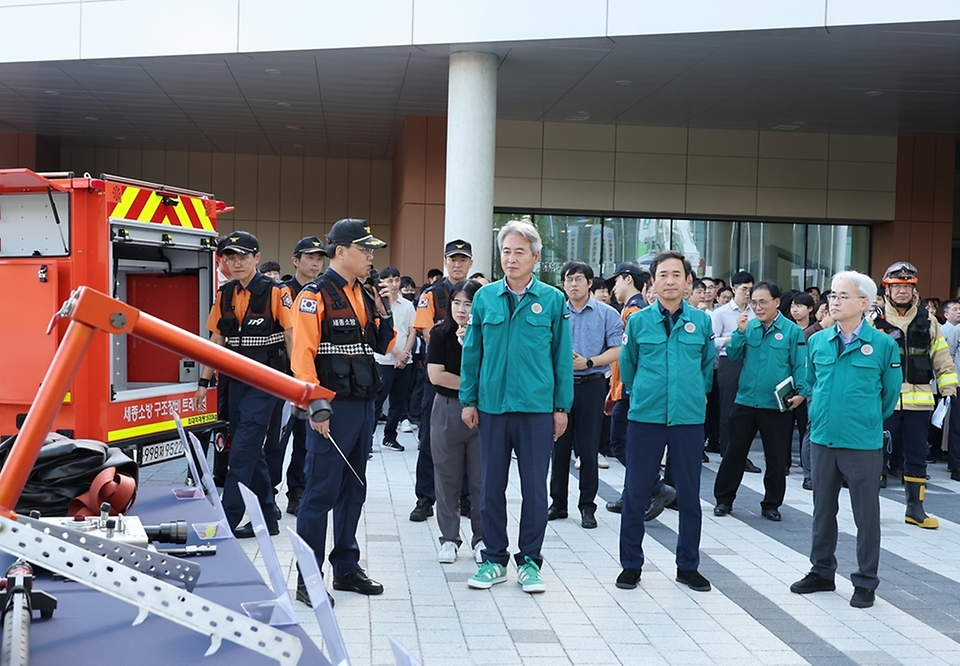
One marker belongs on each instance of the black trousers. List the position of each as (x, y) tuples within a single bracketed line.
[(583, 429), (396, 386), (711, 427), (776, 431), (728, 383)]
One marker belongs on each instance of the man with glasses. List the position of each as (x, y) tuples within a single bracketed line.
[(853, 381), (339, 324), (725, 322), (772, 348), (251, 316), (597, 334)]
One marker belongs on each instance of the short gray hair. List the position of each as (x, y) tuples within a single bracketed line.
[(525, 229), (864, 283)]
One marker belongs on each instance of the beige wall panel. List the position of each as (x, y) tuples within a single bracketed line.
[(316, 228), (794, 146), (578, 165), (201, 171), (154, 165), (721, 200), (314, 190), (288, 234), (635, 139), (129, 162), (291, 188), (651, 168), (804, 174), (226, 224), (268, 233), (268, 187), (870, 176), (734, 143), (223, 177), (736, 171), (381, 189), (177, 168), (519, 134), (791, 202), (649, 198), (358, 193), (855, 148), (519, 162), (516, 192), (107, 160), (245, 186), (383, 258), (850, 205), (337, 205), (577, 194), (83, 159), (579, 136)]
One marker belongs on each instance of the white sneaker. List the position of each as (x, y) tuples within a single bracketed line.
[(448, 552), (406, 426), (576, 465), (602, 461), (478, 553)]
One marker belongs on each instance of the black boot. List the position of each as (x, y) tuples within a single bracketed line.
[(915, 514)]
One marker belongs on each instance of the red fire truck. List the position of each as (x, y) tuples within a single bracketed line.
[(147, 244)]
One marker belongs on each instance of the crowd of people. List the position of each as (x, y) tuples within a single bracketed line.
[(651, 365)]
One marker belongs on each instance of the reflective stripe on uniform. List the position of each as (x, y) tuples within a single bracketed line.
[(917, 399), (937, 345), (947, 379)]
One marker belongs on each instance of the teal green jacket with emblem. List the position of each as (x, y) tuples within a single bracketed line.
[(769, 356), (668, 377), (517, 359), (853, 391)]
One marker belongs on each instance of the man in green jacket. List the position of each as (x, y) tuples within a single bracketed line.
[(772, 349), (518, 348), (666, 363), (854, 376)]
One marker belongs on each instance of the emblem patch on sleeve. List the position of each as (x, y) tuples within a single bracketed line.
[(286, 301), (308, 305), (424, 302)]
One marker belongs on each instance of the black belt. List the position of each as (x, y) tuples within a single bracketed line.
[(583, 379)]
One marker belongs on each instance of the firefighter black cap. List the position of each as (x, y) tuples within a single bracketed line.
[(639, 275), (308, 245), (350, 230), (239, 241), (458, 246)]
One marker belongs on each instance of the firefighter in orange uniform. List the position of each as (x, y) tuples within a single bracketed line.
[(252, 317), (338, 325)]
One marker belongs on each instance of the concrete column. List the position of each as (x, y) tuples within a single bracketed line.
[(471, 150)]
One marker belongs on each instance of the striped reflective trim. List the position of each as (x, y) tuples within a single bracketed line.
[(142, 205), (917, 398), (162, 426), (938, 344)]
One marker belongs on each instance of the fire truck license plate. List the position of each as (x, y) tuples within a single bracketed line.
[(154, 453)]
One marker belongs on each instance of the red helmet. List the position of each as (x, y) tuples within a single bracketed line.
[(900, 272)]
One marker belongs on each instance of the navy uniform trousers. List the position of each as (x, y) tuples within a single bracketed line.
[(331, 486), (645, 445), (250, 410)]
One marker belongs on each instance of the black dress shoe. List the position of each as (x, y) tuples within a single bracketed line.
[(954, 475), (615, 507), (693, 580), (712, 447), (659, 502), (304, 597), (588, 520), (246, 531), (807, 484), (748, 466), (357, 581), (771, 514), (293, 505), (862, 597), (556, 512), (705, 458), (722, 509), (422, 511), (813, 583), (628, 579)]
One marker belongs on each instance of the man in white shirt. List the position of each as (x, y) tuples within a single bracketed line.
[(951, 312), (396, 367)]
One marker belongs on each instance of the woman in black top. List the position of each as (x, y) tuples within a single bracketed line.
[(455, 447)]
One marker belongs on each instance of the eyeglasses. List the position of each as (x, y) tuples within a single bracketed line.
[(843, 298), (366, 250), (761, 304), (575, 279), (744, 288)]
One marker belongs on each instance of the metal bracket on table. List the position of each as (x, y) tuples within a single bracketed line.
[(158, 565), (151, 596)]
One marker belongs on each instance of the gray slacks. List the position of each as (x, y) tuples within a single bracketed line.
[(455, 449), (861, 469)]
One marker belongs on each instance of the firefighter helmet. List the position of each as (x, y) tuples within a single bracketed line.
[(900, 272)]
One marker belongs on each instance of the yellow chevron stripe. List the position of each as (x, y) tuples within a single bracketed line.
[(205, 221), (153, 203), (181, 215), (126, 200)]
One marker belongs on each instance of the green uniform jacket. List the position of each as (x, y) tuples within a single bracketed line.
[(769, 356), (668, 378), (854, 391), (521, 362)]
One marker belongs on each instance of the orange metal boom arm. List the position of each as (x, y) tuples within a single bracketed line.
[(91, 311)]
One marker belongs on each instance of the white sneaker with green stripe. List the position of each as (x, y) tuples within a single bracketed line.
[(489, 574), (528, 575)]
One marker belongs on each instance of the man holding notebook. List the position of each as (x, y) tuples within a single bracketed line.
[(772, 349)]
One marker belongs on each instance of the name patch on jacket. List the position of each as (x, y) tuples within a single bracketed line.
[(345, 321), (308, 305)]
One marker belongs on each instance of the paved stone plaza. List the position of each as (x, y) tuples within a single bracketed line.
[(750, 616)]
